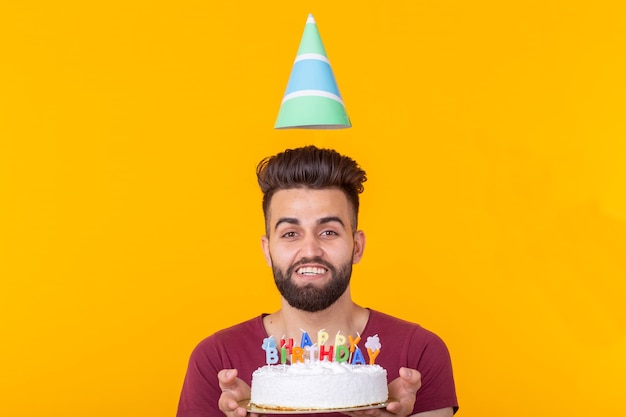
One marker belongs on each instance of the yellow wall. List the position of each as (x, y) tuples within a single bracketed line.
[(493, 134)]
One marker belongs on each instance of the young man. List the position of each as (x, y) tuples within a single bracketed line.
[(311, 204)]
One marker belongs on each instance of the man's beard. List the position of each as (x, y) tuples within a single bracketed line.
[(310, 297)]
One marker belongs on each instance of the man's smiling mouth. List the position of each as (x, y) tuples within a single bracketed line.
[(310, 270)]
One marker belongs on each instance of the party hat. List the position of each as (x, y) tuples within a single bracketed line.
[(312, 99)]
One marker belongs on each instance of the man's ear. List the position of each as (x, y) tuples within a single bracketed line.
[(265, 245), (359, 246)]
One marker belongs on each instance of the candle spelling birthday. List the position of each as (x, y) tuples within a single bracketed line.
[(286, 351)]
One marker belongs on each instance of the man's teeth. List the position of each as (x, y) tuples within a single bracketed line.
[(311, 271)]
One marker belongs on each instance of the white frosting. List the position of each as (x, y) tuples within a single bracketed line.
[(318, 385)]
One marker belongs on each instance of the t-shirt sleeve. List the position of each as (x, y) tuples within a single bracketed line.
[(437, 390), (200, 393)]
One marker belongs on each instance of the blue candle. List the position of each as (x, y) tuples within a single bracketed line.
[(306, 340), (358, 358)]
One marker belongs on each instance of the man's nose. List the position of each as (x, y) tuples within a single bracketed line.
[(311, 246)]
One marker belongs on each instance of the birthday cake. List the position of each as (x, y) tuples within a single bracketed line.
[(319, 377), (318, 385)]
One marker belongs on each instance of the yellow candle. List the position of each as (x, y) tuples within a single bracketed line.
[(353, 342), (322, 337), (340, 339), (372, 354)]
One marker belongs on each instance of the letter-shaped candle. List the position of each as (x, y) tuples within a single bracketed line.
[(358, 358), (312, 349), (287, 344), (271, 356), (373, 347), (342, 353), (271, 353), (306, 340), (372, 354), (353, 342), (339, 339), (326, 353), (297, 354), (322, 337)]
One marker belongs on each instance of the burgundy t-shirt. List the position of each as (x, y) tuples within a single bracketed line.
[(403, 344)]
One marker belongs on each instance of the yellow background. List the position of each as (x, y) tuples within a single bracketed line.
[(493, 134)]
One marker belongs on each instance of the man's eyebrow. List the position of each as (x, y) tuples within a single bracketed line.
[(295, 221), (290, 220), (331, 219)]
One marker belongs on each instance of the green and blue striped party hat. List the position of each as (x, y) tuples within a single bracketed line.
[(312, 99)]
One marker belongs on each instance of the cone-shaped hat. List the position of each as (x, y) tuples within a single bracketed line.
[(312, 99)]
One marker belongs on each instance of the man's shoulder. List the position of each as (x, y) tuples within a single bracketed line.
[(378, 318), (238, 346), (398, 326), (254, 324), (251, 329)]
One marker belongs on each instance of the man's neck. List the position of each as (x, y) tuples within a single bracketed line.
[(343, 316)]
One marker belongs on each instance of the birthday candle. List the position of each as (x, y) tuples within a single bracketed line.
[(312, 349), (358, 358), (353, 342), (372, 354), (373, 347), (306, 340), (268, 342), (271, 353), (342, 353), (271, 356), (326, 353), (286, 344), (322, 337), (339, 339), (297, 354)]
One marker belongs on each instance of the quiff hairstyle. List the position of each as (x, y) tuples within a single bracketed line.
[(310, 167)]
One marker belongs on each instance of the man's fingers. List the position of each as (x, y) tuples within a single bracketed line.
[(228, 404), (412, 379), (227, 378)]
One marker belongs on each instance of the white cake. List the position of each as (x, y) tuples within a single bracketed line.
[(319, 385)]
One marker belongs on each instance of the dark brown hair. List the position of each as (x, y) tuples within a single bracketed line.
[(310, 167)]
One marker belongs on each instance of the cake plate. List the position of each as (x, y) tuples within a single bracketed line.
[(251, 408)]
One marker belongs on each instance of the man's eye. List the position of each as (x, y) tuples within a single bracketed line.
[(329, 233), (289, 234)]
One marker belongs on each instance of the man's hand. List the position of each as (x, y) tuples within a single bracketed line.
[(402, 391), (233, 390)]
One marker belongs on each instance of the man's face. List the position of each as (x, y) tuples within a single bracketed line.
[(311, 246)]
